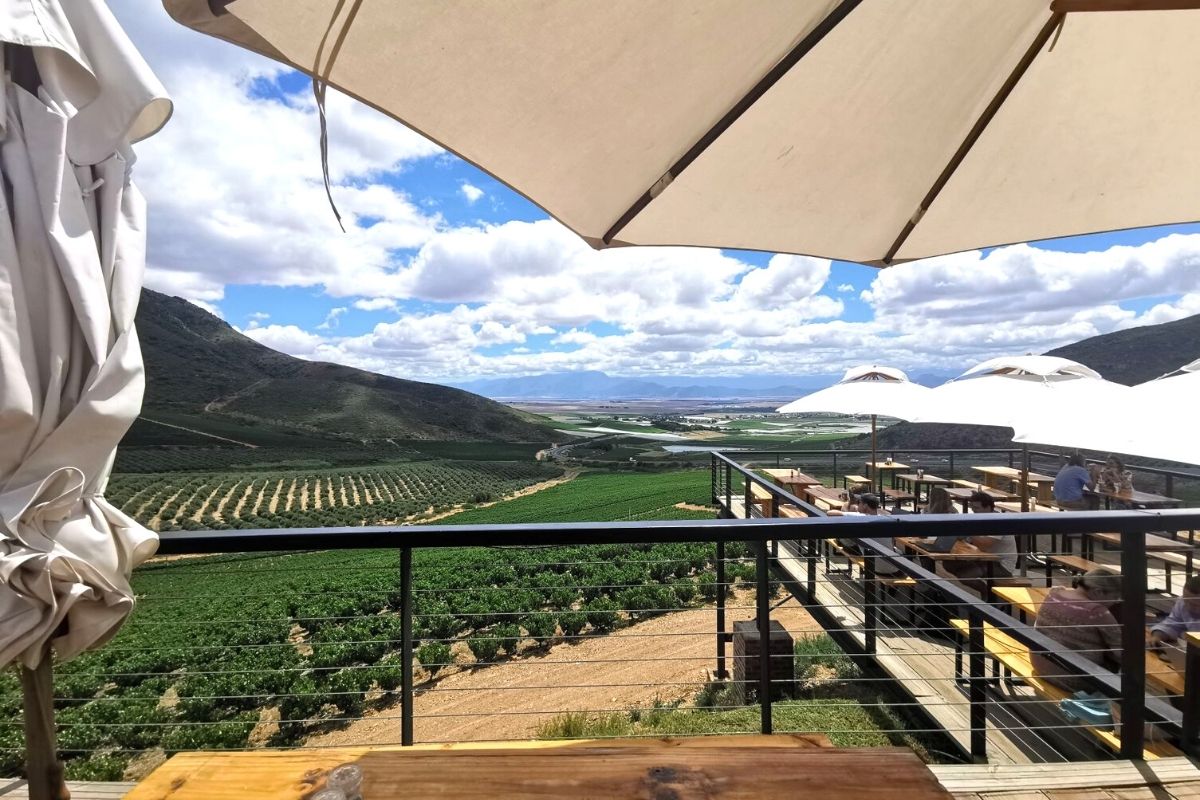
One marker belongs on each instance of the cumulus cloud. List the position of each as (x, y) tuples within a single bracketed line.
[(331, 319), (471, 192), (376, 304), (845, 287)]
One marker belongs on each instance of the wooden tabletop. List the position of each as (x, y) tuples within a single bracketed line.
[(1154, 543), (791, 477), (1030, 598), (1141, 499), (825, 495), (887, 465), (926, 478), (709, 767), (1014, 506), (1014, 474), (963, 551)]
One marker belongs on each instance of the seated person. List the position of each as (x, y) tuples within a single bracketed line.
[(1184, 616), (1070, 483), (940, 502), (1116, 479), (972, 573), (1080, 618), (863, 505)]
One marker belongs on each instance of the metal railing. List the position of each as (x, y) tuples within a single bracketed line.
[(149, 690)]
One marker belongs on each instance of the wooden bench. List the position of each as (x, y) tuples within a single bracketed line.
[(891, 584), (898, 497), (996, 494), (1075, 565), (761, 497), (1016, 658), (849, 480)]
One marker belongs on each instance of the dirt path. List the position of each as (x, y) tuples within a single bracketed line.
[(614, 672), (693, 507), (200, 433), (568, 475)]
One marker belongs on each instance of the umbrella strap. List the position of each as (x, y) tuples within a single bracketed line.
[(320, 83)]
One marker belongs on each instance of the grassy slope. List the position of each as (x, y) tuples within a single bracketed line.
[(601, 497)]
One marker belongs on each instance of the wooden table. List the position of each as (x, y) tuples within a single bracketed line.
[(709, 767), (963, 495), (792, 480), (876, 469), (1028, 599), (824, 497), (1137, 499), (1001, 477), (917, 481)]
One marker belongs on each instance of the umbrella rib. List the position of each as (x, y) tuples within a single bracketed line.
[(802, 48), (976, 131)]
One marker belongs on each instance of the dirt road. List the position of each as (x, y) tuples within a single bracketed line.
[(666, 658)]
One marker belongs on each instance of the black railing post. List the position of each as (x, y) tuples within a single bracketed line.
[(1169, 491), (763, 617), (870, 603), (977, 688), (952, 476), (814, 553), (406, 648), (835, 470), (1191, 698), (1133, 644), (721, 673), (748, 491)]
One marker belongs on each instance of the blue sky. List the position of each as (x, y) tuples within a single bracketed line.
[(445, 274)]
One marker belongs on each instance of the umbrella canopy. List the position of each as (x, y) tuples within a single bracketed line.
[(72, 254), (1014, 391), (865, 390), (1152, 419), (865, 130)]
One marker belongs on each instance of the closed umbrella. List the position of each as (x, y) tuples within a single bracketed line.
[(870, 390), (867, 130), (72, 248), (1152, 419)]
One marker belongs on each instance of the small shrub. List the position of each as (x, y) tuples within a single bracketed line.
[(541, 627), (434, 656), (602, 614), (572, 622), (484, 648)]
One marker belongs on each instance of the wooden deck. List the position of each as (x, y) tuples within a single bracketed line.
[(13, 789), (1165, 779)]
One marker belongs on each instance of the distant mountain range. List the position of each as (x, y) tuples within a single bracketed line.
[(201, 372), (593, 385)]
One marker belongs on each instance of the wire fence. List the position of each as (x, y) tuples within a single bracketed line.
[(866, 631)]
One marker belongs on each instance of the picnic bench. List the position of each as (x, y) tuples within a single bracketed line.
[(1016, 658), (762, 497)]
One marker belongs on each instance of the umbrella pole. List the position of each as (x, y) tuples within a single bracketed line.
[(1024, 477), (44, 769), (875, 458)]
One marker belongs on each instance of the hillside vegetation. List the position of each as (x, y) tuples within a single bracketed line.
[(203, 376)]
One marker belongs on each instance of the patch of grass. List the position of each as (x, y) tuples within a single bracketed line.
[(585, 726)]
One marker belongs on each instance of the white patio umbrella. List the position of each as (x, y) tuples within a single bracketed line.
[(870, 390), (868, 130), (1012, 391), (72, 253), (1152, 419)]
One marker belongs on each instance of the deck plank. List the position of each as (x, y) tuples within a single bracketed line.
[(14, 789)]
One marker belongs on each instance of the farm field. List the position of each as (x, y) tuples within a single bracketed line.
[(266, 649), (318, 497), (603, 496)]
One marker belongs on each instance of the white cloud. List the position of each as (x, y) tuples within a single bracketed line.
[(845, 287), (376, 304), (289, 339), (471, 192), (331, 319)]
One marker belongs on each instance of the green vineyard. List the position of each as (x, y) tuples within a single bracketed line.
[(316, 498)]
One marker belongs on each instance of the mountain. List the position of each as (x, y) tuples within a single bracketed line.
[(200, 370), (1140, 354), (593, 385)]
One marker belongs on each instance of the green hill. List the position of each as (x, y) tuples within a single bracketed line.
[(209, 381), (1140, 354)]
